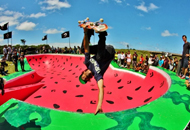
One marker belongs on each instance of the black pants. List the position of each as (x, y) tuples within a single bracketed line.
[(22, 65), (16, 66), (103, 52)]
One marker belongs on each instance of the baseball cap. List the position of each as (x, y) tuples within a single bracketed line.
[(82, 81)]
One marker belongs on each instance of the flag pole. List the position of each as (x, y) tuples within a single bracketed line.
[(8, 38), (69, 42)]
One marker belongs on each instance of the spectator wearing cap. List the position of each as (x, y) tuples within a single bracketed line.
[(160, 62)]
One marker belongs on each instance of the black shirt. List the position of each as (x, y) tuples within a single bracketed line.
[(186, 47), (15, 58)]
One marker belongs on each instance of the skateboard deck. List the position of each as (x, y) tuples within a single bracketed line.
[(98, 26)]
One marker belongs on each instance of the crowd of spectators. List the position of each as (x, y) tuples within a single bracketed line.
[(141, 63)]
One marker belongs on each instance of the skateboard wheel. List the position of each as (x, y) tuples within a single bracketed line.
[(91, 24), (79, 22), (101, 20)]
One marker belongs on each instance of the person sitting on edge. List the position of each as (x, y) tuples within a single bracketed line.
[(98, 64), (2, 70)]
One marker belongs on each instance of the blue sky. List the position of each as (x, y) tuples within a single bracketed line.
[(155, 25)]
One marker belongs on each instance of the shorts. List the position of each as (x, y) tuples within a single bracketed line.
[(185, 62)]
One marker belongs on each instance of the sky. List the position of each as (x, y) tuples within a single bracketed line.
[(155, 25)]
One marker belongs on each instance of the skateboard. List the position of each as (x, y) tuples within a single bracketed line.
[(98, 26)]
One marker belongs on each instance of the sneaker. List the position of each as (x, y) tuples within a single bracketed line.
[(183, 77)]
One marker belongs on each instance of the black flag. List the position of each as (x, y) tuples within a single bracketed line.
[(65, 34), (4, 27), (8, 35), (44, 38), (23, 41)]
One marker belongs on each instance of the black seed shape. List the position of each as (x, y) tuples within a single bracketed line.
[(129, 82), (151, 74), (129, 98), (38, 96), (94, 89), (53, 90), (51, 77), (29, 60), (44, 87), (151, 89), (79, 110), (66, 59), (33, 57), (76, 66), (50, 59), (64, 91), (43, 62), (56, 82), (36, 59), (33, 64), (110, 102), (115, 75), (71, 64), (120, 87), (77, 85), (73, 73), (76, 76), (63, 62), (119, 81), (69, 81), (162, 84), (109, 92), (137, 88), (147, 99), (70, 70), (79, 96), (56, 106), (93, 102), (92, 85), (63, 78), (40, 58)]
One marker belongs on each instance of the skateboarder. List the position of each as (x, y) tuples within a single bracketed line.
[(98, 64)]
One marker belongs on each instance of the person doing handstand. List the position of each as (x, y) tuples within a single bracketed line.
[(98, 64)]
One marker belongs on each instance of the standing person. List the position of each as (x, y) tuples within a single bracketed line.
[(141, 60), (119, 58), (129, 57), (134, 62), (21, 58), (185, 56), (155, 60), (15, 61), (98, 64), (5, 51), (9, 52), (160, 62), (122, 58), (175, 64)]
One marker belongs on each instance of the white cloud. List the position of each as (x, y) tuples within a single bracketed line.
[(118, 1), (104, 1), (166, 33), (152, 7), (11, 17), (53, 31), (110, 27), (148, 28), (1, 9), (37, 15), (54, 4), (23, 8), (146, 9), (26, 26), (141, 14), (142, 7)]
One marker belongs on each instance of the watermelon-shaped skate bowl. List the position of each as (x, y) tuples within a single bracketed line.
[(51, 97)]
